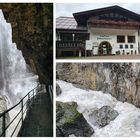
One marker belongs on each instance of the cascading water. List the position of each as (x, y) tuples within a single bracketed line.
[(127, 123), (16, 79)]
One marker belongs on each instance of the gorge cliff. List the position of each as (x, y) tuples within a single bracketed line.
[(32, 31), (121, 80)]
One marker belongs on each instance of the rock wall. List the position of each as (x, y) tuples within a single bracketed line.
[(82, 74), (3, 107), (32, 25), (121, 80)]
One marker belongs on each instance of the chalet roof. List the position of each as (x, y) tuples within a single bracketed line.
[(66, 23), (82, 17), (69, 24), (79, 20)]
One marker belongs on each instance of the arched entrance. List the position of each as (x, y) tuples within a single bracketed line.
[(104, 48)]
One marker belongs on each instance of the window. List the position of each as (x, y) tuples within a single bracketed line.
[(118, 52), (66, 36), (116, 15), (126, 46), (120, 39), (81, 37), (111, 15), (131, 39), (131, 46), (121, 46)]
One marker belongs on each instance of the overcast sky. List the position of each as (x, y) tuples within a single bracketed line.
[(66, 9)]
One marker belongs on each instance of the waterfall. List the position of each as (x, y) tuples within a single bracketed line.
[(127, 123), (16, 78)]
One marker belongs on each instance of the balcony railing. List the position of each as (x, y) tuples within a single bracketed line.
[(70, 44)]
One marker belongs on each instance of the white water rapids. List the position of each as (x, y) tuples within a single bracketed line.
[(16, 79), (127, 123)]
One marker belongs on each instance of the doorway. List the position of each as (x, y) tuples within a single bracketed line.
[(105, 48)]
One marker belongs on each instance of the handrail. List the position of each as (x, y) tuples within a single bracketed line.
[(22, 111), (1, 114)]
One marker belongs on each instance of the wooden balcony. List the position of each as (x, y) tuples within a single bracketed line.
[(70, 44), (113, 24)]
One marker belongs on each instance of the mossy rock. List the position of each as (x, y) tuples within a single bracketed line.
[(70, 122)]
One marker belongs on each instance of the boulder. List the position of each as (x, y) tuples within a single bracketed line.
[(58, 90), (104, 116), (70, 122)]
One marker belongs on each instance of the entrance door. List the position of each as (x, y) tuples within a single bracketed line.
[(104, 48)]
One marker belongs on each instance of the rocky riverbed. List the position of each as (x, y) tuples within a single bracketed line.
[(103, 115)]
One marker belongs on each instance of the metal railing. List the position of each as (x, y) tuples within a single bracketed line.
[(70, 44), (24, 104)]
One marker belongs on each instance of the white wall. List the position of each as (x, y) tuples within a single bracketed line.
[(98, 35)]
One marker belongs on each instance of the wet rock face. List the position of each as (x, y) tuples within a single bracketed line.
[(3, 107), (104, 116), (78, 74), (58, 90), (32, 31), (70, 122), (3, 104), (121, 80), (125, 79)]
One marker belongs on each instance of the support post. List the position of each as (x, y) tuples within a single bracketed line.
[(3, 126), (33, 95), (29, 98), (79, 53), (73, 37), (22, 111)]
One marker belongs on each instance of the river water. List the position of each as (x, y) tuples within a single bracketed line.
[(127, 123)]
